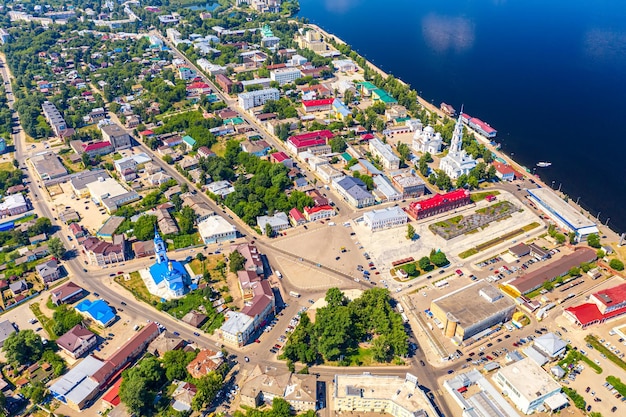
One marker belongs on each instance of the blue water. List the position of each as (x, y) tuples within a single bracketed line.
[(209, 7), (548, 75)]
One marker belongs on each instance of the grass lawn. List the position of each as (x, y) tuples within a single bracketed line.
[(476, 197), (572, 358), (210, 263), (46, 322), (617, 384), (593, 341), (6, 166), (184, 241), (25, 219), (137, 287), (530, 226)]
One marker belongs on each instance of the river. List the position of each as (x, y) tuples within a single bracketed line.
[(549, 76)]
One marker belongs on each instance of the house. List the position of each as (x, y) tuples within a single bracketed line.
[(13, 204), (215, 229), (281, 158), (66, 293), (258, 148), (143, 249), (504, 171), (38, 239), (311, 106), (296, 216), (182, 397), (225, 83), (279, 221), (76, 230), (77, 341), (313, 142), (206, 361), (195, 318), (165, 342), (354, 191), (199, 206), (205, 152), (103, 253), (447, 109), (263, 385), (49, 271), (18, 287), (321, 212), (6, 329), (98, 311), (189, 142)]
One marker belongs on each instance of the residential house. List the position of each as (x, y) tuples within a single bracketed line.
[(66, 293), (18, 287), (354, 191), (49, 271), (205, 362), (296, 217), (279, 221), (316, 213), (77, 341)]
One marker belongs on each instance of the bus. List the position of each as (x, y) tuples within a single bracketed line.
[(294, 294)]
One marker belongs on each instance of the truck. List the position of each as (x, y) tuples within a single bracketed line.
[(279, 275), (294, 294)]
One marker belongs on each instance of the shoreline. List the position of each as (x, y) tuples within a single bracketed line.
[(485, 141)]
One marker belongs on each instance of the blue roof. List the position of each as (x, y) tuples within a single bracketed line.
[(189, 140), (173, 276), (341, 108), (99, 310)]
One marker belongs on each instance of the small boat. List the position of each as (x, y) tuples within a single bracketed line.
[(544, 164)]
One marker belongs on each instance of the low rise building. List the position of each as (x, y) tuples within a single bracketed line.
[(602, 306), (66, 293), (313, 142), (279, 221), (118, 137), (165, 342), (472, 309), (237, 328), (316, 213), (385, 218), (77, 341), (48, 271), (48, 166), (285, 75), (311, 106), (384, 190), (440, 203), (503, 171), (366, 393), (98, 311), (13, 204), (6, 329), (206, 361), (103, 253), (410, 185), (527, 385), (383, 151), (354, 191), (265, 384), (215, 229)]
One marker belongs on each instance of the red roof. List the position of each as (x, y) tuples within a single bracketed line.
[(96, 146), (198, 85), (321, 102), (146, 133), (113, 395), (75, 228), (367, 136), (280, 156), (311, 210), (503, 169), (438, 200), (588, 313), (297, 216), (484, 126), (311, 138), (611, 296)]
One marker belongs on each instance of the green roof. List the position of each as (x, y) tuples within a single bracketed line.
[(367, 85), (383, 96), (402, 119), (233, 121), (189, 140), (346, 156)]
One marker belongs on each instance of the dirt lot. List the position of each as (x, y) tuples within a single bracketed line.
[(91, 216)]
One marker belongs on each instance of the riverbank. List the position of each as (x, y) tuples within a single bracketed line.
[(612, 235)]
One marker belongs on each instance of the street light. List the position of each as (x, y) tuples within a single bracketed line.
[(553, 184), (606, 223), (577, 200)]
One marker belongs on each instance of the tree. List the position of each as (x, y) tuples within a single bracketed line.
[(207, 388), (56, 248), (572, 237), (269, 232), (35, 391), (410, 231), (236, 262), (438, 258), (85, 159), (65, 318), (404, 151), (424, 263), (548, 286), (560, 238), (616, 264), (175, 363), (136, 396), (574, 271), (144, 227), (335, 298), (200, 256), (381, 349), (187, 220), (338, 144), (593, 240), (24, 347)]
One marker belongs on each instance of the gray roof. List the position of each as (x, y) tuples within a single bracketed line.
[(47, 268), (80, 180), (277, 220), (18, 286), (76, 385), (6, 329)]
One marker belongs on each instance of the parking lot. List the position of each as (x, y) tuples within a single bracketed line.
[(91, 216)]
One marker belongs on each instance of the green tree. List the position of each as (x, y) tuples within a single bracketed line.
[(616, 264), (338, 144), (335, 298), (572, 238), (424, 263), (548, 286), (187, 220), (23, 347), (381, 349), (144, 227), (236, 262), (175, 363), (560, 238), (65, 318), (86, 160), (200, 256), (207, 388), (410, 231), (35, 391), (404, 151), (56, 248), (269, 232), (438, 258), (593, 240), (574, 271)]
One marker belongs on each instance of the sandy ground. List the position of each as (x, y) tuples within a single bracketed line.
[(305, 276), (91, 217)]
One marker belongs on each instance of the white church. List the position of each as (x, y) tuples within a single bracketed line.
[(457, 161), (426, 140)]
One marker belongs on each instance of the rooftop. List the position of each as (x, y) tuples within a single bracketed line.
[(236, 322), (560, 208), (529, 379), (438, 200), (383, 214), (473, 303), (383, 149)]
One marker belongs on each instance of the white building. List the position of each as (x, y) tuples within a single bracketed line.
[(345, 65), (389, 159), (210, 68), (279, 221), (285, 75), (257, 98), (526, 384), (457, 161), (215, 229), (426, 140), (236, 329), (385, 218)]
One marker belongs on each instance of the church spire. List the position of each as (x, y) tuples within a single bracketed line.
[(160, 249), (457, 136)]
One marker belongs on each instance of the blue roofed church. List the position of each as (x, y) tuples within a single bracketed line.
[(165, 278)]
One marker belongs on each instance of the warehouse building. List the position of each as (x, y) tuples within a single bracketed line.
[(471, 310), (565, 215)]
